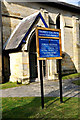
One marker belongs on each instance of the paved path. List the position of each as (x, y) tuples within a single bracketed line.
[(51, 88)]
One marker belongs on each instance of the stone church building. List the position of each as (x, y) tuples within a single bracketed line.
[(19, 20)]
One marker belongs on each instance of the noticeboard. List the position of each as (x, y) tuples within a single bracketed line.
[(48, 43)]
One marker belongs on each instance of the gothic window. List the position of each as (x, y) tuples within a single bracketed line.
[(58, 22)]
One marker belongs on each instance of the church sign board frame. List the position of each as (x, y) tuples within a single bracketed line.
[(48, 42)]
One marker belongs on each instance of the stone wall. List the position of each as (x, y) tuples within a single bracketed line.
[(9, 25), (6, 70), (67, 62), (76, 44), (19, 67), (25, 64), (71, 53), (16, 66)]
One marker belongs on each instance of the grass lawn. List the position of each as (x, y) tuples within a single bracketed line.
[(9, 85), (76, 82), (71, 76), (30, 107)]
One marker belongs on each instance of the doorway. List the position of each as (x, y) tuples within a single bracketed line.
[(33, 58), (33, 63)]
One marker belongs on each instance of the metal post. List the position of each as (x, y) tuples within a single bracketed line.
[(60, 81), (41, 81)]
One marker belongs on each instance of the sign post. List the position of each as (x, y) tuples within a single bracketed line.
[(41, 81), (48, 43), (60, 81)]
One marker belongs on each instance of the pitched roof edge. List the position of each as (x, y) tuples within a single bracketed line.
[(4, 46), (7, 45), (63, 5)]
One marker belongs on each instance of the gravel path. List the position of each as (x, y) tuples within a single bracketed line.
[(51, 88)]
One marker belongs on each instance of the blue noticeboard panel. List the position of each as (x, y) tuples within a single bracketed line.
[(48, 43), (49, 47), (48, 33)]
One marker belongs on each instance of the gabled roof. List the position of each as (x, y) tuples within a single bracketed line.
[(54, 3), (22, 30), (63, 5)]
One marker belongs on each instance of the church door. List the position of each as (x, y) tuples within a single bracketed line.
[(33, 58)]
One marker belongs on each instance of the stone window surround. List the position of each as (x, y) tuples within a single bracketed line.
[(78, 42)]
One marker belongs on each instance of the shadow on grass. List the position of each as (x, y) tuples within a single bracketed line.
[(32, 109), (26, 111), (52, 102)]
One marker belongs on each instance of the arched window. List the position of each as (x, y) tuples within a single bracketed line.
[(58, 21)]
